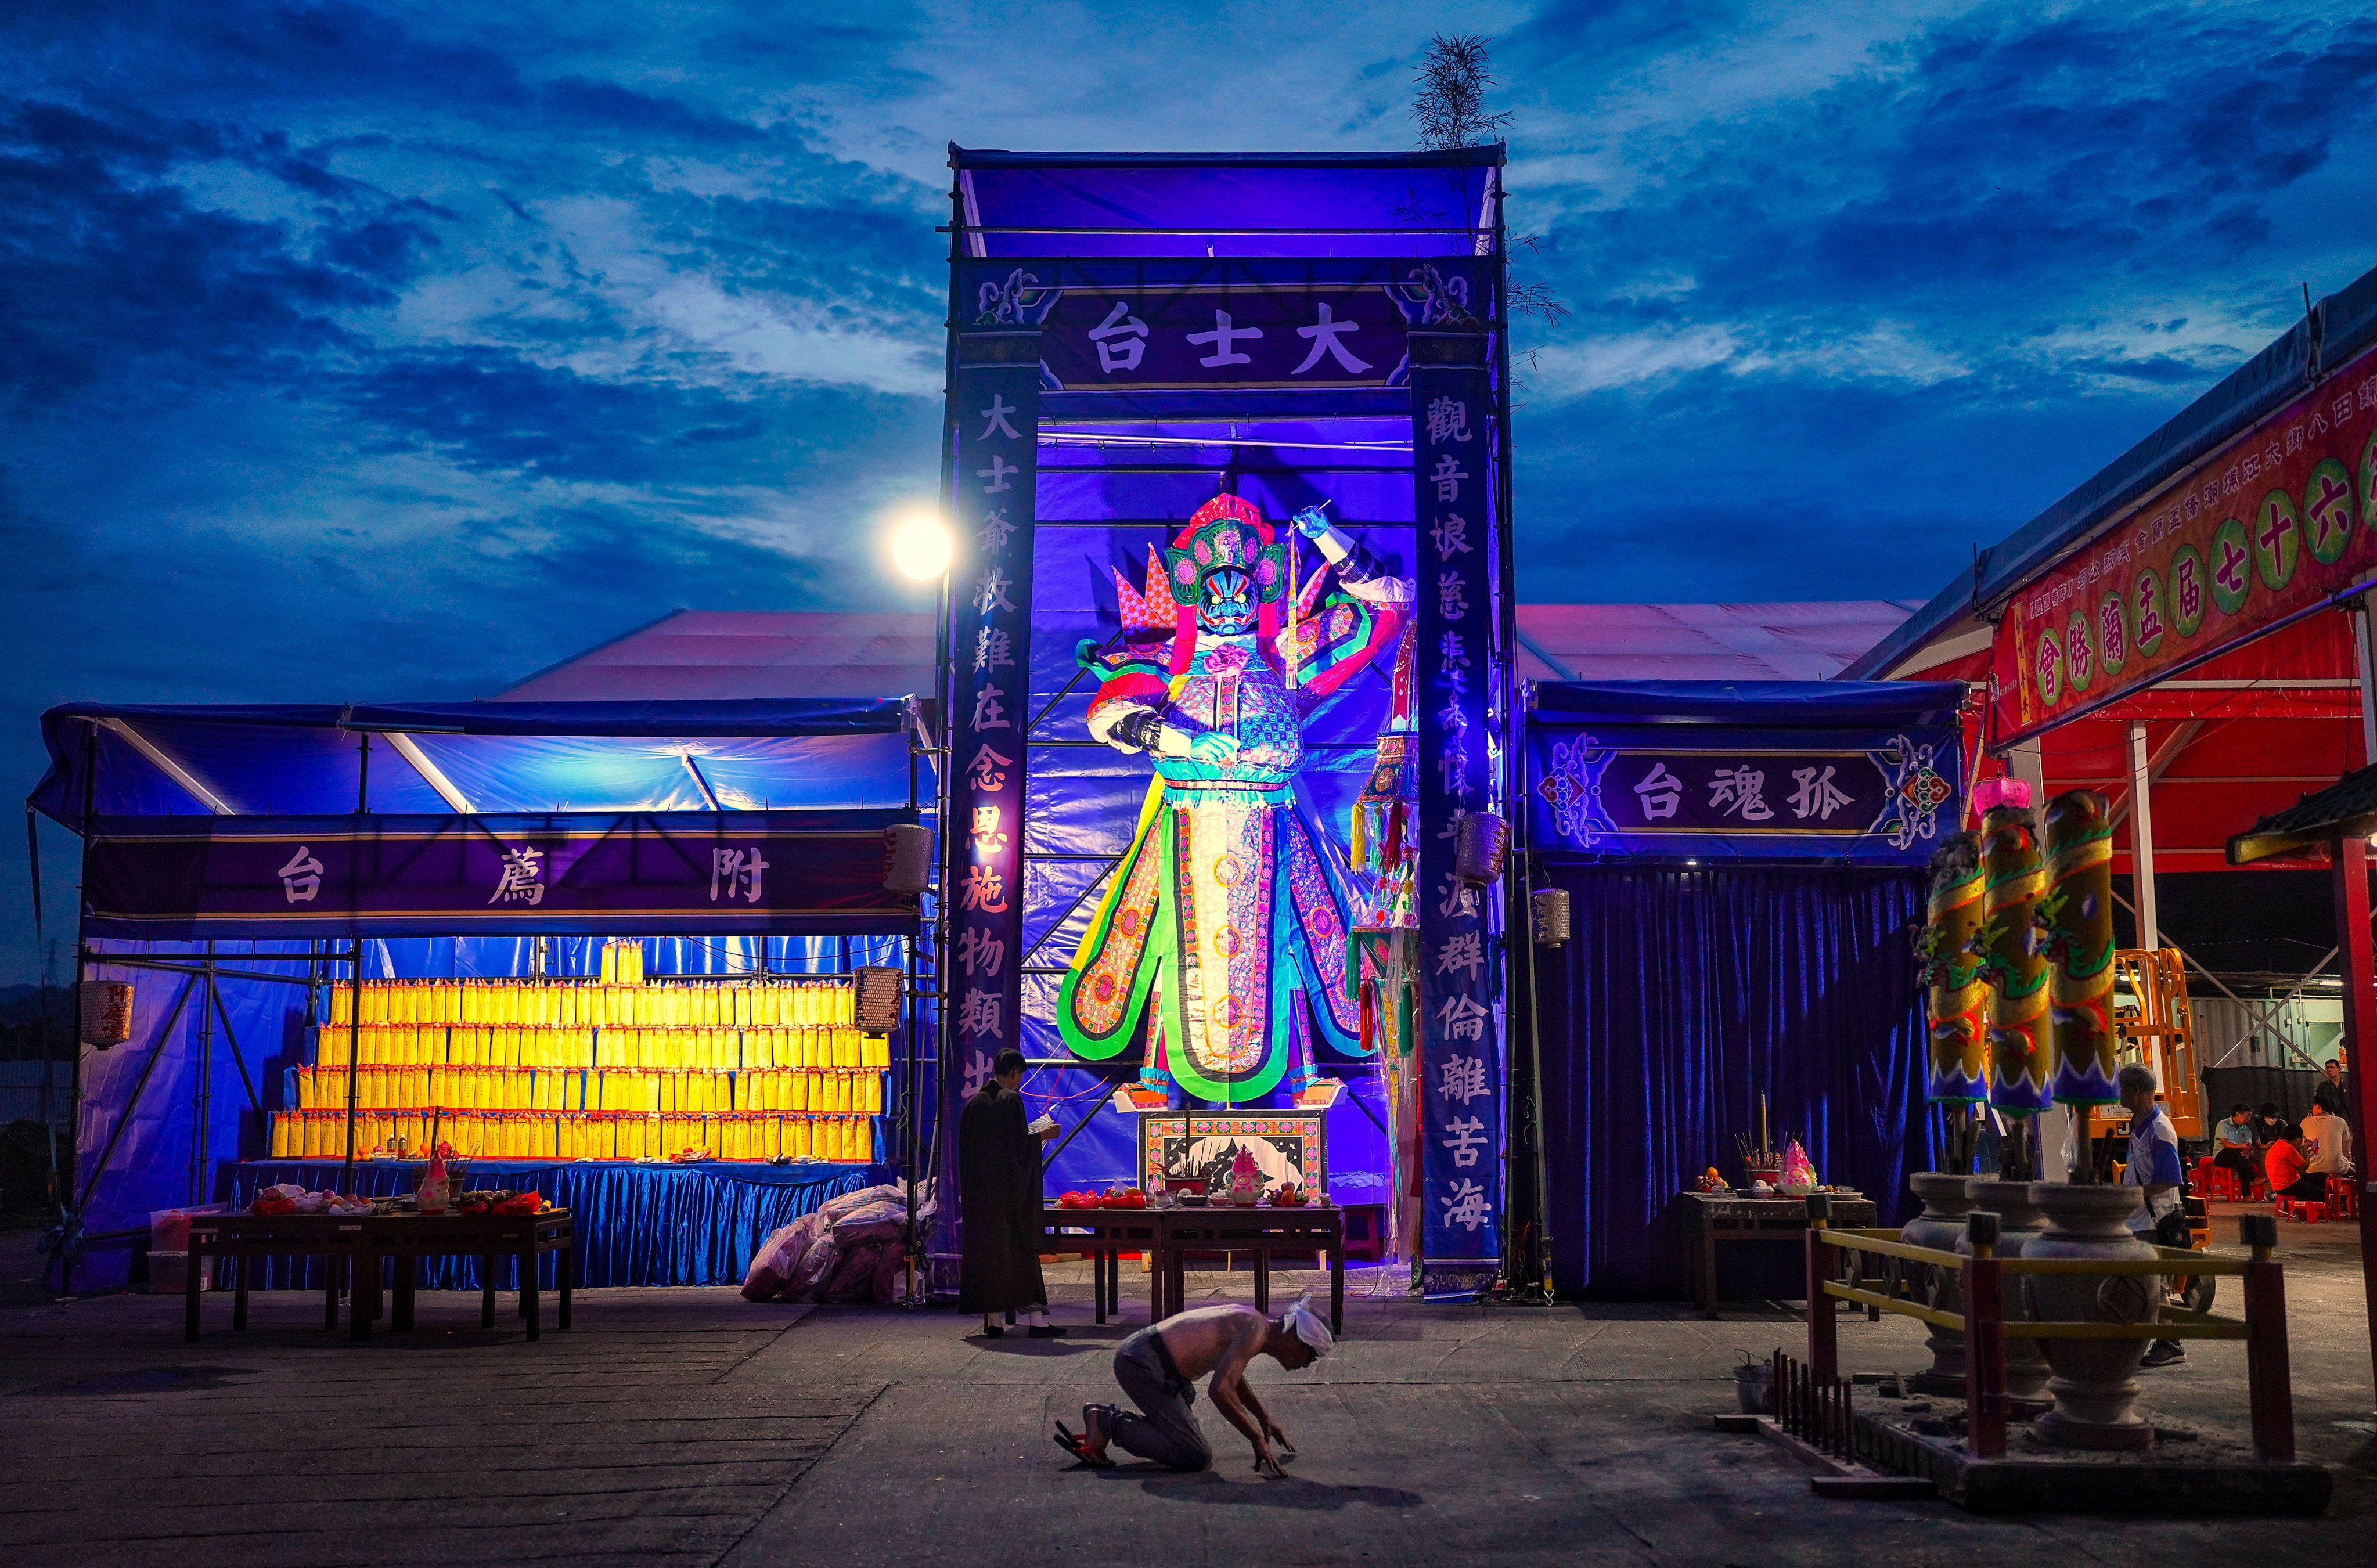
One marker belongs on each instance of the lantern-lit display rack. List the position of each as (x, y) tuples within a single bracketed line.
[(615, 1068)]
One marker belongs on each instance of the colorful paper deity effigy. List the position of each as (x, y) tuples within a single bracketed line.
[(1231, 908)]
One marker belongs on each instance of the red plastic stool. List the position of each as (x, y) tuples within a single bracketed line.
[(2217, 1183), (2284, 1208), (2343, 1198)]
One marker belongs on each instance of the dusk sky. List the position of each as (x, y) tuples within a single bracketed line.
[(366, 351)]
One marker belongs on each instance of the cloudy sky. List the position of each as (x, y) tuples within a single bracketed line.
[(395, 350)]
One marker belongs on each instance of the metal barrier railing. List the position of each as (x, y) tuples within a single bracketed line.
[(2269, 1385)]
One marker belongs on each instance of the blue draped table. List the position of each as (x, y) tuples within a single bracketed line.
[(695, 1224)]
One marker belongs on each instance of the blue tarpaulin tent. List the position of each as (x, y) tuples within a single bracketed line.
[(1750, 935), (165, 1119)]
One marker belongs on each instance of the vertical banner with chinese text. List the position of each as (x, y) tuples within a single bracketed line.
[(995, 404), (1461, 1033)]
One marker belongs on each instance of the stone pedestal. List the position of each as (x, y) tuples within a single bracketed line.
[(1946, 1201), (2095, 1380), (2019, 1224)]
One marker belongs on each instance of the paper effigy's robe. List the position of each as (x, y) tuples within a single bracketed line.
[(1231, 904)]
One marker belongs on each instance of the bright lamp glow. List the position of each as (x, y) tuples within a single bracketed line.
[(920, 546)]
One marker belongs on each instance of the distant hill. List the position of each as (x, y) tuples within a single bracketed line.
[(22, 1003)]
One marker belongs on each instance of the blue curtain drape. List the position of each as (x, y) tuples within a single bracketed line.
[(1686, 993)]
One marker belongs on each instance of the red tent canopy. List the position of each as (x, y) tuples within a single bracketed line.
[(2242, 735)]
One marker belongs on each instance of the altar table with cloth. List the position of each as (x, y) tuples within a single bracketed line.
[(690, 1224), (362, 1241)]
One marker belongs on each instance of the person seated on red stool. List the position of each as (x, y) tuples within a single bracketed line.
[(2289, 1173), (2234, 1146), (2328, 1140)]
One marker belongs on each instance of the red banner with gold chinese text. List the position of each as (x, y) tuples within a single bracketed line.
[(2278, 520)]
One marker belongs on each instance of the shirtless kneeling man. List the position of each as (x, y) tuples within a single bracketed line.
[(1159, 1366)]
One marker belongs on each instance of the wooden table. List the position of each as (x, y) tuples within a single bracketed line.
[(363, 1241), (1102, 1235), (1713, 1217), (1167, 1235)]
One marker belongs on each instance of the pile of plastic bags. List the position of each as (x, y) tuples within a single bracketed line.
[(853, 1250)]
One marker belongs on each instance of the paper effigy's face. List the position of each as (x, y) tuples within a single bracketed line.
[(1226, 605)]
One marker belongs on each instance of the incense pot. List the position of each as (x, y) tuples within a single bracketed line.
[(2095, 1382), (2019, 1224), (1947, 1199), (2075, 926)]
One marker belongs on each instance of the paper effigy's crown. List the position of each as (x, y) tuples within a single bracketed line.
[(1225, 533)]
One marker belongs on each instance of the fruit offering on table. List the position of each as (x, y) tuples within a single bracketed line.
[(1710, 1182), (502, 1201), (1112, 1197), (1290, 1196)]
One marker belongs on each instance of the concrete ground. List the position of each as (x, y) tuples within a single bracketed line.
[(688, 1425)]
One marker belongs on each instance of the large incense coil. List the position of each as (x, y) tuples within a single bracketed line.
[(2013, 878), (1959, 1050), (2075, 924)]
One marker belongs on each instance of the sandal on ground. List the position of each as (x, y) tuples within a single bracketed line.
[(992, 1331), (1077, 1447)]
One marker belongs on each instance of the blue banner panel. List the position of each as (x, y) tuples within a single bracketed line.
[(1175, 325), (997, 405), (780, 873), (993, 403), (1460, 982), (1746, 792)]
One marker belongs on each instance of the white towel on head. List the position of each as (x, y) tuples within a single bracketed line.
[(1308, 1324)]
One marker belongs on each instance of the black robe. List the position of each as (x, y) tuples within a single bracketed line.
[(998, 1205)]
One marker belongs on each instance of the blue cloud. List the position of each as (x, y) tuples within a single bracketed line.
[(356, 351)]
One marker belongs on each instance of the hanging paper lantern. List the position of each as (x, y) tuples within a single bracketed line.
[(2076, 922), (1959, 1059), (2012, 877)]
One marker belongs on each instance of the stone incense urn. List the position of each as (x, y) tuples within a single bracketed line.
[(2095, 1382), (2019, 1224), (1946, 1201)]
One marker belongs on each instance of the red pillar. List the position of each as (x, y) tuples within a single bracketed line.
[(2352, 934)]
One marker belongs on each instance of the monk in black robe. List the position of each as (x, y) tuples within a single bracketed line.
[(999, 1206)]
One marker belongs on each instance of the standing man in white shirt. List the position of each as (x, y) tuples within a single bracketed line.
[(2153, 1165)]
